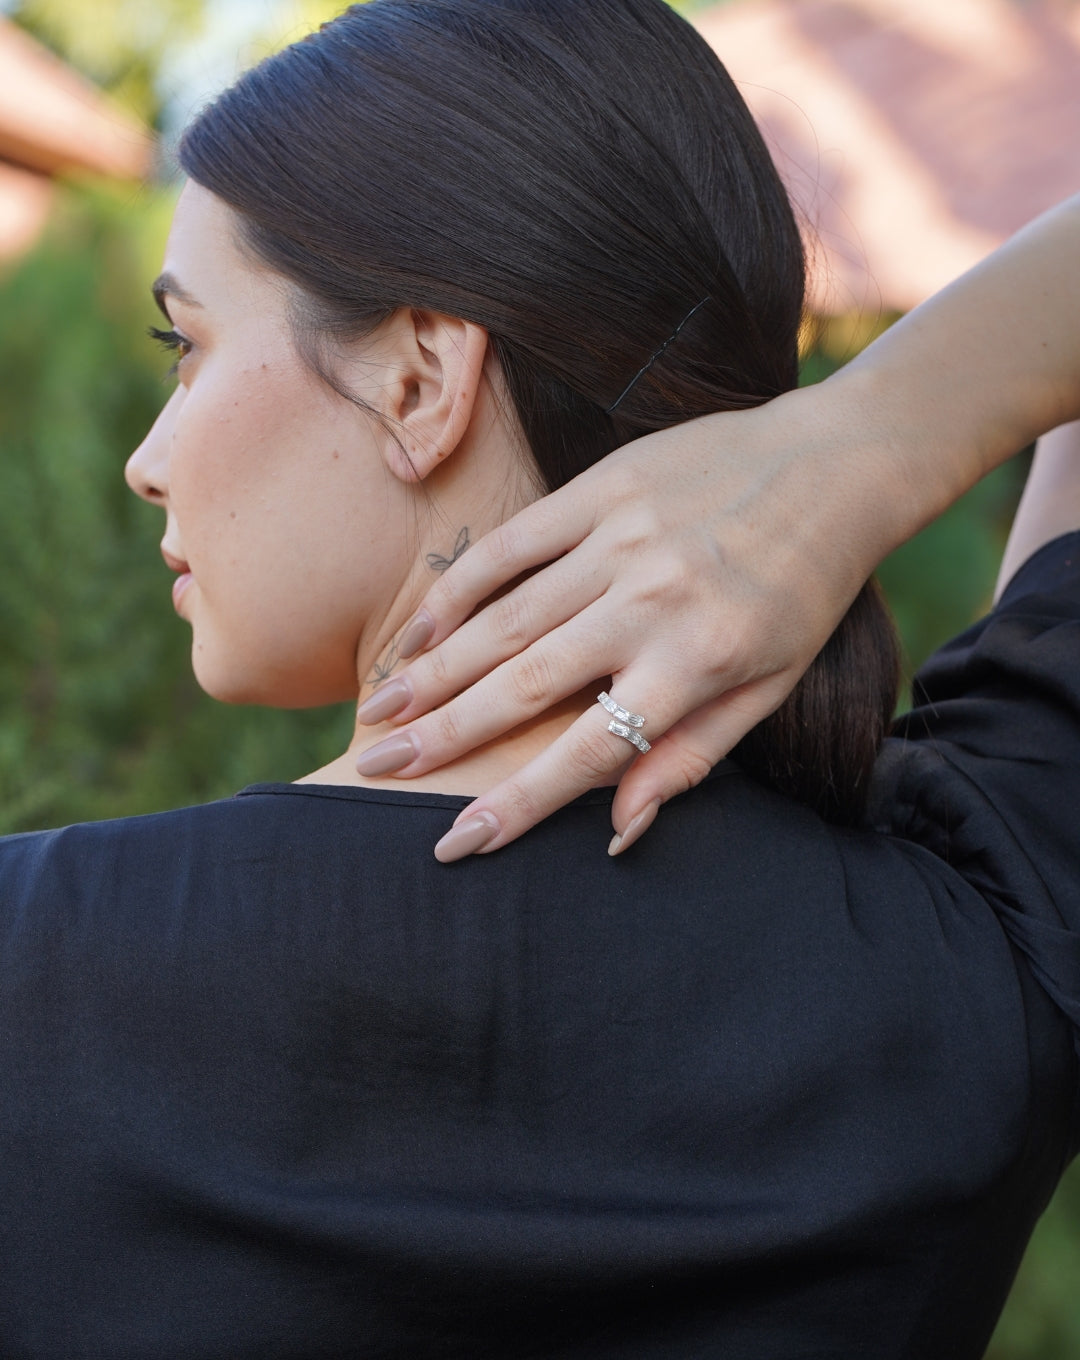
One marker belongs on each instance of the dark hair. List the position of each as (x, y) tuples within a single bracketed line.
[(576, 176)]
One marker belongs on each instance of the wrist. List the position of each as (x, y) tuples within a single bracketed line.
[(903, 453), (851, 474)]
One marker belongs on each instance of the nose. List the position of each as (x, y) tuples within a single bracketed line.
[(147, 470)]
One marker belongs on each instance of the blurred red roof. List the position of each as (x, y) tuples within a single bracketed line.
[(915, 135), (52, 121)]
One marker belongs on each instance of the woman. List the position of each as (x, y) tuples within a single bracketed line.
[(280, 1084)]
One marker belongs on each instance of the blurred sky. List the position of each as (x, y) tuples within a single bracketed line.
[(238, 33)]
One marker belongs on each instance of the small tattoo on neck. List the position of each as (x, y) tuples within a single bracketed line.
[(385, 665), (437, 562), (388, 662)]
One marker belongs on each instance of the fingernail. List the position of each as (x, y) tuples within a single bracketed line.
[(467, 837), (386, 756), (415, 634), (635, 828), (388, 699)]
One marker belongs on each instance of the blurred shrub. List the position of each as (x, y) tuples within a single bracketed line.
[(1042, 1319), (100, 715)]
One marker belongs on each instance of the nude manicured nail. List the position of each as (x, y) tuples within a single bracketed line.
[(415, 634), (635, 828), (467, 837), (387, 700), (387, 756)]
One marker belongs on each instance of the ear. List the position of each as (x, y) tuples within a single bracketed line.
[(429, 388)]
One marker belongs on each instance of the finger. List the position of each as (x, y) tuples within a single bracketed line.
[(585, 755), (686, 753), (589, 645), (545, 529), (505, 629)]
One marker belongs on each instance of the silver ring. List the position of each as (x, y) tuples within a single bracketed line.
[(623, 722)]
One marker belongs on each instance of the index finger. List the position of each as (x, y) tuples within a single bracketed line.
[(545, 529)]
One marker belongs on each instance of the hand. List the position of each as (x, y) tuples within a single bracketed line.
[(702, 568), (687, 566)]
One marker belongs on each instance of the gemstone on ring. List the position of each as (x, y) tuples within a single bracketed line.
[(628, 734), (617, 711)]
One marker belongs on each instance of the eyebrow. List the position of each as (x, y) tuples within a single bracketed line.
[(165, 285)]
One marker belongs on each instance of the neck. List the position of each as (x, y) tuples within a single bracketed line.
[(378, 661), (472, 773), (466, 509)]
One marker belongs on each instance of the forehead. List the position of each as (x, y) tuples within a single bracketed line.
[(205, 263)]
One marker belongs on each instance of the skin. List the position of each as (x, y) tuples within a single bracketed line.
[(703, 567), (305, 529)]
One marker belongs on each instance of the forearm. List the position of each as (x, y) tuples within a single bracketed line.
[(972, 376), (1050, 504)]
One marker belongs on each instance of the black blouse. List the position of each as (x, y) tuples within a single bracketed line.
[(273, 1083)]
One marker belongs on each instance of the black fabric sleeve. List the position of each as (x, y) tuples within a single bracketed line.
[(985, 769)]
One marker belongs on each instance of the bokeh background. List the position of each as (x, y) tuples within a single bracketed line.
[(914, 135)]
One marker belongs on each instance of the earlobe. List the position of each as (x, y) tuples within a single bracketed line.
[(442, 364)]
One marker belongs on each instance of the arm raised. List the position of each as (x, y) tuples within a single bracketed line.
[(703, 567)]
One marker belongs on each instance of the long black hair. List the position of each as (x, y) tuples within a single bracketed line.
[(581, 178)]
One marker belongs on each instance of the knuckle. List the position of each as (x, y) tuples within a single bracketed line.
[(447, 728), (530, 682), (636, 533), (509, 623), (447, 593), (523, 809), (732, 661), (591, 757), (503, 546), (673, 579), (435, 666), (632, 485), (717, 657), (662, 582), (695, 768), (690, 769)]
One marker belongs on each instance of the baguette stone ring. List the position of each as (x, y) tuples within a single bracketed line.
[(624, 723)]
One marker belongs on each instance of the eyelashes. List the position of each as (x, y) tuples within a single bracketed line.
[(172, 341)]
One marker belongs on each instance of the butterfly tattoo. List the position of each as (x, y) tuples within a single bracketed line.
[(437, 562)]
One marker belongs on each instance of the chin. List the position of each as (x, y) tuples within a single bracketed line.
[(229, 683), (228, 689)]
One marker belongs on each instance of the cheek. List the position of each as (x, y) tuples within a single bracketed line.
[(269, 629), (287, 536), (243, 451)]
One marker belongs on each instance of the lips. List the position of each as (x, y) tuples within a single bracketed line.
[(184, 577)]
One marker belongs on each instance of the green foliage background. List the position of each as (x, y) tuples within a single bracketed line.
[(99, 715)]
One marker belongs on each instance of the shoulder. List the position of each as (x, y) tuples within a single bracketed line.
[(1025, 647), (79, 865), (93, 841), (994, 731), (267, 839), (985, 769)]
